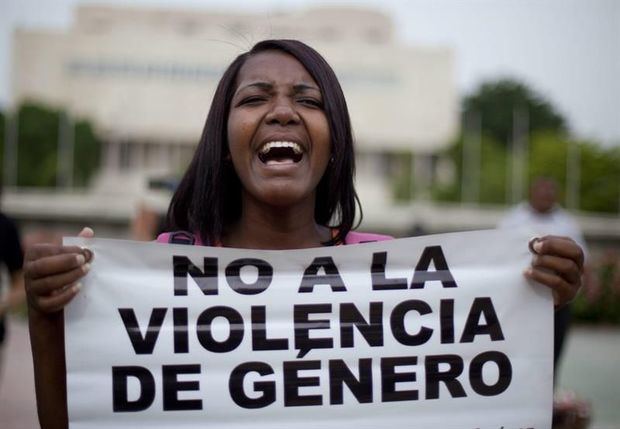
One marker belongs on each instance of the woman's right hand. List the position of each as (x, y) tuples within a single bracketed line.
[(52, 274)]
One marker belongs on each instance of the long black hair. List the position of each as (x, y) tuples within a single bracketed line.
[(209, 196)]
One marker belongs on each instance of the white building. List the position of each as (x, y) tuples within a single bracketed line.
[(145, 78)]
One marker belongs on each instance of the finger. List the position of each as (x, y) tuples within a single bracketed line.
[(559, 246), (563, 292), (38, 251), (564, 267), (86, 232), (52, 284), (52, 265), (58, 301)]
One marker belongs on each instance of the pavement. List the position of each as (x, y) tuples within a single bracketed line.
[(591, 368), (18, 409)]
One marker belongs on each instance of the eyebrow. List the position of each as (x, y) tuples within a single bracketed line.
[(301, 87), (267, 86), (262, 85)]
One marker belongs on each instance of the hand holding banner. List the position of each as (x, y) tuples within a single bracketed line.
[(433, 332)]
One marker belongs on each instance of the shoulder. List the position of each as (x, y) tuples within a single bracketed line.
[(565, 216), (515, 216), (355, 237)]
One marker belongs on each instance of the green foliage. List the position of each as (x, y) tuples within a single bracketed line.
[(600, 178), (492, 174), (452, 191), (496, 102), (87, 153), (36, 153), (600, 299), (548, 151), (599, 169), (547, 157), (37, 157)]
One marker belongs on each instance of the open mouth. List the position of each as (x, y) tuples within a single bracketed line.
[(280, 152)]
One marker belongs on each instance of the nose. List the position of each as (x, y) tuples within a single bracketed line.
[(282, 113)]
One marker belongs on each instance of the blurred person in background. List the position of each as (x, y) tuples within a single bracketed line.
[(12, 292), (542, 215)]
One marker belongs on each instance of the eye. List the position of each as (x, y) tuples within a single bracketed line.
[(312, 102), (252, 99)]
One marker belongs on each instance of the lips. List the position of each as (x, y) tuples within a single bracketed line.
[(278, 152)]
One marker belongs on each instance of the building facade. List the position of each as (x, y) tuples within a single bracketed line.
[(145, 78)]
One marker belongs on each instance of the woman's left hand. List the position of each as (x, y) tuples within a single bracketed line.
[(558, 264)]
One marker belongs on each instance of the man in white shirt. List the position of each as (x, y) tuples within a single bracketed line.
[(541, 215)]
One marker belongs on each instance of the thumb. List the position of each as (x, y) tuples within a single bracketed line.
[(86, 232)]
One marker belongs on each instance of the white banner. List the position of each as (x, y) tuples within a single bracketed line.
[(436, 332)]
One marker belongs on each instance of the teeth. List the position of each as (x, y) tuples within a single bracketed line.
[(268, 146)]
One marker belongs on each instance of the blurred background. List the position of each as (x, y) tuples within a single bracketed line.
[(457, 107)]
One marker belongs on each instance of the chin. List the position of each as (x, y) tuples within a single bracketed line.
[(282, 196)]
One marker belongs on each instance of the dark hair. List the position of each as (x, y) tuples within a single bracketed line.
[(209, 195)]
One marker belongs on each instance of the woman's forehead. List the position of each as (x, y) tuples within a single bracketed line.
[(274, 67)]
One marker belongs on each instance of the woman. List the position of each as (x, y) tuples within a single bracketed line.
[(273, 170)]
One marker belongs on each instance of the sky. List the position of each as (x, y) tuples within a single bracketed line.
[(567, 50)]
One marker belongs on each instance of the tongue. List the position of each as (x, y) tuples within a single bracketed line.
[(277, 161)]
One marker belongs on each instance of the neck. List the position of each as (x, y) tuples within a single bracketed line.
[(276, 228), (541, 211)]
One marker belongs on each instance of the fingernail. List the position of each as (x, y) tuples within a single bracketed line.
[(88, 254), (527, 272), (86, 268), (87, 230), (77, 287), (80, 259), (537, 246), (532, 243)]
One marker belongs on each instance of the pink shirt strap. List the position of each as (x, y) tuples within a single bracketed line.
[(354, 237), (179, 237)]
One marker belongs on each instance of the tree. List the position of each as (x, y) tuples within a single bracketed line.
[(599, 167), (599, 189), (37, 157), (37, 143), (600, 178), (547, 157), (497, 101), (492, 175), (87, 153)]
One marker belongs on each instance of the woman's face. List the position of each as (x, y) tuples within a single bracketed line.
[(278, 134)]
